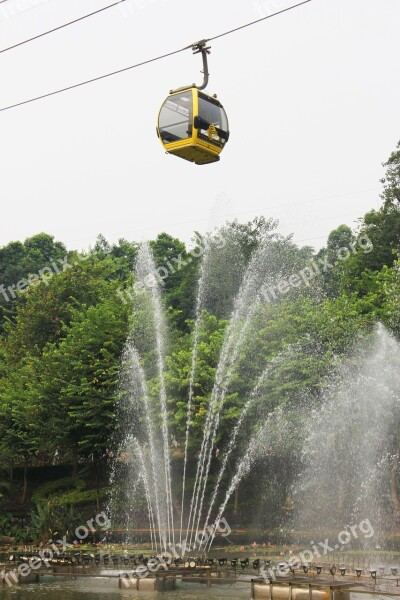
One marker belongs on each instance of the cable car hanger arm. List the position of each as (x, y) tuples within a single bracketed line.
[(198, 47)]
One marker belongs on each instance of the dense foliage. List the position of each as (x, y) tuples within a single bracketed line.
[(65, 317)]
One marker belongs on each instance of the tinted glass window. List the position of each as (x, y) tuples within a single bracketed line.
[(175, 120), (211, 113)]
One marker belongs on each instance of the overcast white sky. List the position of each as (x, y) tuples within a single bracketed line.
[(312, 97)]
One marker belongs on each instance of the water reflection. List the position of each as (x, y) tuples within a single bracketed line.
[(95, 588)]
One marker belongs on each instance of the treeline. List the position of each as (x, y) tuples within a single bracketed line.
[(65, 317)]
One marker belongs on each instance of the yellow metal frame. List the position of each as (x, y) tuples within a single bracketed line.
[(192, 149)]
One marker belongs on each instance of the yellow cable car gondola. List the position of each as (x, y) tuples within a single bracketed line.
[(192, 124)]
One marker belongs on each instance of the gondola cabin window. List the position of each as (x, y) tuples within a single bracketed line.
[(213, 123), (175, 121)]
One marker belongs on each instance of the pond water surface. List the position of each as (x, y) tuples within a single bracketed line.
[(96, 588)]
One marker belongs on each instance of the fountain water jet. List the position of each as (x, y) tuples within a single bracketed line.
[(346, 443), (157, 481), (231, 444), (199, 303), (139, 452), (133, 367), (277, 428), (145, 265), (245, 306)]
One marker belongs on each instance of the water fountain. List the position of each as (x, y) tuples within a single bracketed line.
[(154, 457), (346, 431), (348, 442), (342, 456)]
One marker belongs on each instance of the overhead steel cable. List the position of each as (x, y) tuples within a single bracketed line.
[(39, 35), (256, 21), (75, 85), (95, 12), (150, 60)]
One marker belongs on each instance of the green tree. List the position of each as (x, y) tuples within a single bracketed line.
[(82, 374), (382, 227), (179, 369), (341, 237), (391, 181), (59, 361), (19, 260), (174, 266)]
